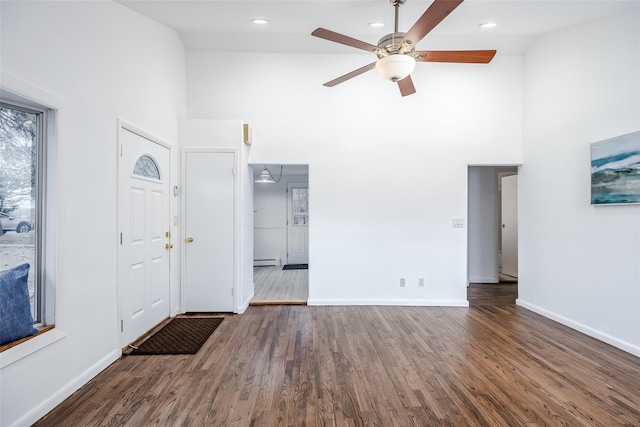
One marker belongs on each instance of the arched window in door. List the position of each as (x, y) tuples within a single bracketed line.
[(146, 167)]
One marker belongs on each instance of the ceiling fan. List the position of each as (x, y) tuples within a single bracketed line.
[(396, 52)]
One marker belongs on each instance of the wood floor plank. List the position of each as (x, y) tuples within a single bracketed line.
[(274, 285), (357, 366), (503, 293)]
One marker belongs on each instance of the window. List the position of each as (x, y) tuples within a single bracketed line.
[(300, 198), (146, 167), (22, 188)]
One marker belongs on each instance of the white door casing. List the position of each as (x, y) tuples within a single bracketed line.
[(297, 222), (209, 230), (143, 223), (510, 225)]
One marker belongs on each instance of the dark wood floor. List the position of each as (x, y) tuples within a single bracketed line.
[(386, 366), (492, 293)]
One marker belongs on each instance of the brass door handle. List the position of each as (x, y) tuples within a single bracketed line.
[(168, 246), (189, 239)]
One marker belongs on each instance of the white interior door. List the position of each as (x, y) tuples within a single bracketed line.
[(298, 223), (209, 230), (510, 225), (143, 221)]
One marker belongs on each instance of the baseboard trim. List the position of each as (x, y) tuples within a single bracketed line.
[(593, 333), (67, 390), (245, 305), (484, 280), (276, 302), (396, 302)]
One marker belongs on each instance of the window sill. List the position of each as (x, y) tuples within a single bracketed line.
[(12, 352)]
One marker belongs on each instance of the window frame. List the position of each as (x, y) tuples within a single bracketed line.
[(140, 171), (15, 90), (39, 291), (44, 314)]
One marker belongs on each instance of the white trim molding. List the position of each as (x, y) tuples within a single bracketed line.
[(67, 390), (393, 302), (593, 333), (30, 346)]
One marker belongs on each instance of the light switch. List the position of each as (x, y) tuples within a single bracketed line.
[(457, 222)]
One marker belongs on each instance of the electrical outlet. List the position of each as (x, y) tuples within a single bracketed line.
[(403, 282), (420, 282)]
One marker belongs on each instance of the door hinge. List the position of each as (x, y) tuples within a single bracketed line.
[(120, 150), (232, 291), (121, 325), (233, 170), (120, 238)]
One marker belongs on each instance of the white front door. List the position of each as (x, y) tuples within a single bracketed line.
[(298, 223), (209, 261), (143, 222), (509, 213)]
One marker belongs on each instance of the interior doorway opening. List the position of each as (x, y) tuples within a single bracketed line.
[(281, 217), (492, 235)]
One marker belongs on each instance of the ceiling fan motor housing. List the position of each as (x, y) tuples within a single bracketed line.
[(391, 45)]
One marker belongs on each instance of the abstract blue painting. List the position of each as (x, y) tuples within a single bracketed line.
[(615, 170)]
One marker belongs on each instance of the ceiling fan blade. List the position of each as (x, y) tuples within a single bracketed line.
[(350, 75), (406, 86), (438, 10), (342, 39), (463, 56)]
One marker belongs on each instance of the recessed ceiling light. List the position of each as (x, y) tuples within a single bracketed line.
[(376, 24), (488, 25), (259, 21)]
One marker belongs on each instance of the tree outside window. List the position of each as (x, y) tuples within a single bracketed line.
[(20, 130)]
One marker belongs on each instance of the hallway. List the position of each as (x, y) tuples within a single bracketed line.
[(273, 285)]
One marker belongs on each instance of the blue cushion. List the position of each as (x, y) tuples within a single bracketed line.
[(15, 310)]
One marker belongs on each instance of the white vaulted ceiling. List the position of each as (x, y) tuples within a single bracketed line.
[(218, 25)]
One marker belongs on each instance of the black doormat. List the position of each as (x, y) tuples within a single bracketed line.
[(296, 267), (182, 335)]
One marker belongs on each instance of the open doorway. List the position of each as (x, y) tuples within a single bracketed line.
[(508, 252), (281, 234), (492, 235)]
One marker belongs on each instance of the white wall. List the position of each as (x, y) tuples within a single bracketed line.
[(270, 220), (227, 134), (388, 173), (580, 264), (100, 61)]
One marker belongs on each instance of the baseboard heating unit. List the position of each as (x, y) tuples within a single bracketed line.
[(266, 261)]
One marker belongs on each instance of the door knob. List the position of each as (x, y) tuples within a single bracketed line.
[(168, 246), (189, 239)]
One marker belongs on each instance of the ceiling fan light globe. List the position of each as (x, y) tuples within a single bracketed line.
[(395, 67)]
